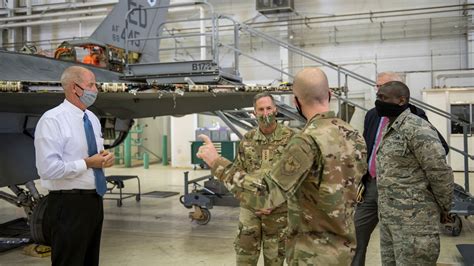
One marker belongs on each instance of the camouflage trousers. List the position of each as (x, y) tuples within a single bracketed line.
[(409, 244), (318, 249), (265, 232)]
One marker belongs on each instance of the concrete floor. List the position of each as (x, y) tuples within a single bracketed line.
[(158, 231)]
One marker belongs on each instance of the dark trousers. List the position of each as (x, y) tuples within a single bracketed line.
[(76, 227), (365, 219)]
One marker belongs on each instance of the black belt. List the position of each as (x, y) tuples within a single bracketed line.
[(74, 191)]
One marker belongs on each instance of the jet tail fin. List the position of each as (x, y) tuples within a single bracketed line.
[(141, 24)]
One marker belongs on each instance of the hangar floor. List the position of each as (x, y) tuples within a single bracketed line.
[(157, 231)]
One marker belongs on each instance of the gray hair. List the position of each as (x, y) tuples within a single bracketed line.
[(390, 76), (262, 95), (71, 75)]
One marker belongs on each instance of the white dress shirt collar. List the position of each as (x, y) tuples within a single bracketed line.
[(72, 108)]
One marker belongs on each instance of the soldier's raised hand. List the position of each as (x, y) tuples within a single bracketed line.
[(207, 151)]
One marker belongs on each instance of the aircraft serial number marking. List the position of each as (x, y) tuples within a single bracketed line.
[(201, 66), (137, 18)]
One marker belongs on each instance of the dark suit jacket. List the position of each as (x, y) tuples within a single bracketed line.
[(372, 120)]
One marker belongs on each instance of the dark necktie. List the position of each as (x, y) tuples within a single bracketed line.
[(100, 183)]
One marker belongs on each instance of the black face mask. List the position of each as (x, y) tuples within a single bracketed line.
[(389, 109), (298, 107)]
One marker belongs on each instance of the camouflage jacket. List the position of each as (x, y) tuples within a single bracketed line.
[(257, 152), (318, 175), (414, 181)]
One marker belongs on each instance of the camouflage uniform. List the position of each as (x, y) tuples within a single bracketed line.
[(256, 151), (318, 175), (414, 185)]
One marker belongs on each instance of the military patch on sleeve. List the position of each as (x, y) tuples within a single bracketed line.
[(290, 166), (295, 163)]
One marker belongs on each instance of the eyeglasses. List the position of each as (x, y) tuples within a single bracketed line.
[(97, 85), (79, 86)]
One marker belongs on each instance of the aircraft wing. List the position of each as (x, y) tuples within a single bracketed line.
[(33, 68), (130, 105), (27, 67)]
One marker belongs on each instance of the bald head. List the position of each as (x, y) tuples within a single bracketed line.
[(384, 77), (311, 86), (72, 75)]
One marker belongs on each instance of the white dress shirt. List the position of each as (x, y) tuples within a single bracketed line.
[(61, 147)]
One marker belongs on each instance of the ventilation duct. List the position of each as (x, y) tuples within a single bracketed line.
[(275, 6)]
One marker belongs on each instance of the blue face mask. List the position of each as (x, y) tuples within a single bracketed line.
[(88, 97)]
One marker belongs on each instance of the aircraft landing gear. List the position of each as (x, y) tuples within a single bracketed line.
[(34, 205), (39, 223)]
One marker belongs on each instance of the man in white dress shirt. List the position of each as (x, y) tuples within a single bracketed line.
[(70, 161)]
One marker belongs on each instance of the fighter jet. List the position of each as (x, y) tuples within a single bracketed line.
[(30, 85)]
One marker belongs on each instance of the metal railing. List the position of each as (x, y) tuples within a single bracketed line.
[(213, 35), (212, 20)]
